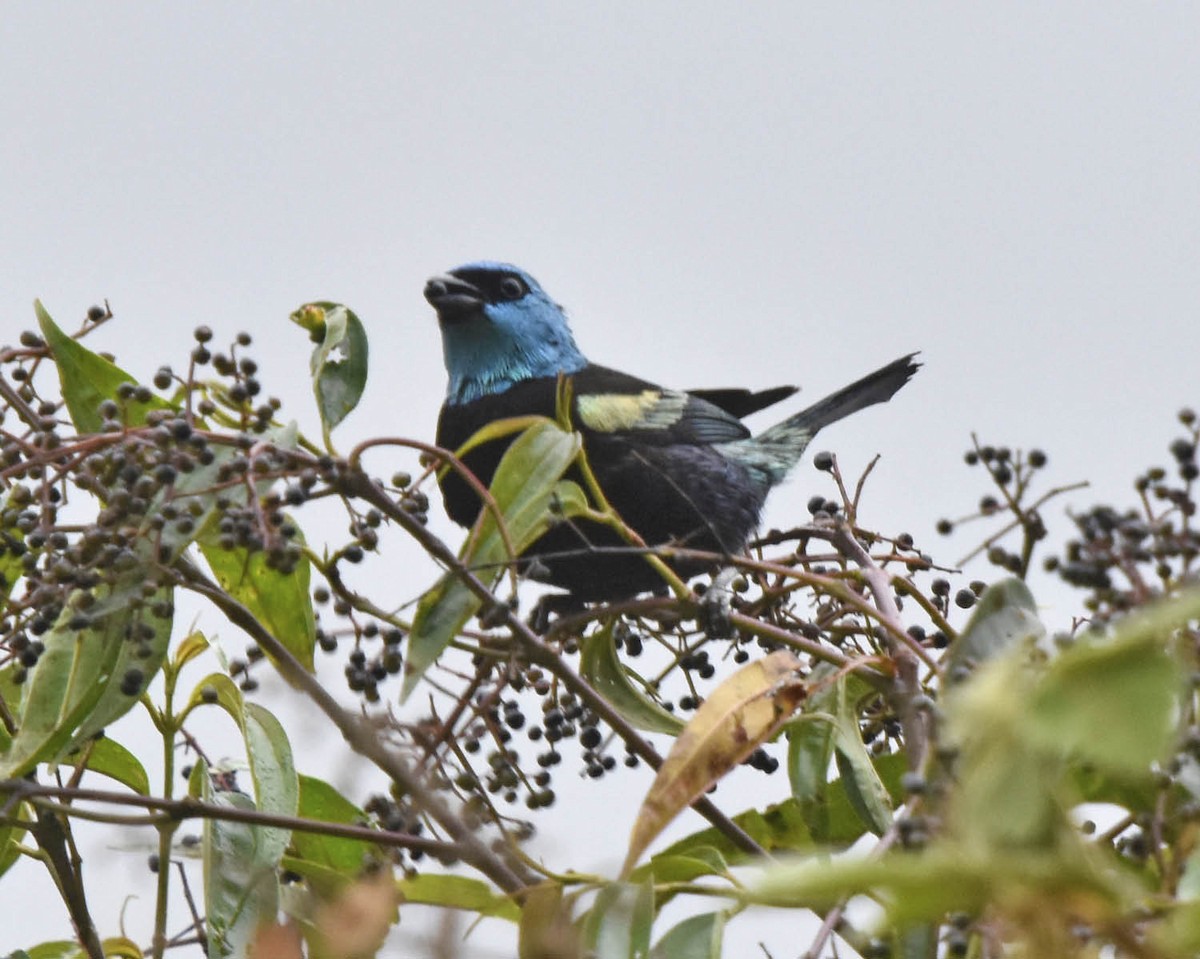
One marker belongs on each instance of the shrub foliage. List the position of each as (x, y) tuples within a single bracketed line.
[(993, 785)]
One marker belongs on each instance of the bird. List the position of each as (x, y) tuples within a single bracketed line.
[(679, 467)]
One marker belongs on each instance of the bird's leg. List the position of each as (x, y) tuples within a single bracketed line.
[(717, 604), (551, 605)]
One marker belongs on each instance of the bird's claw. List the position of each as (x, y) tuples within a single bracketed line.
[(550, 606), (716, 606)]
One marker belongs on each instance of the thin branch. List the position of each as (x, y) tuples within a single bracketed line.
[(179, 810), (361, 737), (907, 683), (538, 652)]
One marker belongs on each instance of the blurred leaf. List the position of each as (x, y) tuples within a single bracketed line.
[(109, 758), (320, 802), (1005, 617), (1109, 706), (278, 940), (458, 892), (192, 646), (219, 690), (1135, 793), (525, 485), (682, 867), (743, 712), (11, 833), (339, 363), (546, 930), (1110, 703), (777, 827), (698, 937), (278, 600), (923, 887), (1007, 789), (240, 889), (618, 924), (356, 923), (62, 949), (118, 947), (917, 942), (600, 665), (88, 379), (1179, 935)]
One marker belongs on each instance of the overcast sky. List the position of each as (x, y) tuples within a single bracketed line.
[(720, 194)]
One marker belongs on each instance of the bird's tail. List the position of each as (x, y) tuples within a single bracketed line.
[(777, 449)]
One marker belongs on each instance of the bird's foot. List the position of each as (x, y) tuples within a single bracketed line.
[(550, 606), (716, 606)]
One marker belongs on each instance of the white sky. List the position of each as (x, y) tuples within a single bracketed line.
[(721, 194)]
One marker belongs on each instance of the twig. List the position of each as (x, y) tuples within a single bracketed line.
[(361, 737), (538, 652), (179, 810), (906, 686)]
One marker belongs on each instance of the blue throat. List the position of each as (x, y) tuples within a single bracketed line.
[(483, 360)]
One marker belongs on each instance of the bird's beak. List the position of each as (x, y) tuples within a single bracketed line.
[(454, 299)]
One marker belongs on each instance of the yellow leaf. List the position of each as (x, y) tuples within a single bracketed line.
[(742, 713)]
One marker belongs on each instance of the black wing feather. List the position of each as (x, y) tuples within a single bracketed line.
[(741, 403)]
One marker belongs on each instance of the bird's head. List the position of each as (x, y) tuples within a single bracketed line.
[(498, 328)]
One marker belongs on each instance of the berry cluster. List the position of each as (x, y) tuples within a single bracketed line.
[(1124, 557)]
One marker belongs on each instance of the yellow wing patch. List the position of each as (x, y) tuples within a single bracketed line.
[(647, 410)]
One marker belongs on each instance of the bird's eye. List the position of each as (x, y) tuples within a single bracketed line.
[(512, 288)]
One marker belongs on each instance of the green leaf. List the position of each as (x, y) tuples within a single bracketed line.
[(191, 646), (917, 942), (458, 892), (11, 549), (62, 949), (12, 832), (545, 929), (147, 655), (600, 665), (924, 887), (618, 924), (339, 363), (269, 753), (1004, 618), (1110, 703), (74, 691), (1007, 788), (109, 758), (678, 867), (202, 488), (276, 785), (10, 693), (777, 827), (698, 937), (811, 738), (280, 601), (227, 694), (240, 889), (320, 802), (810, 752), (865, 790), (88, 379), (525, 486)]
